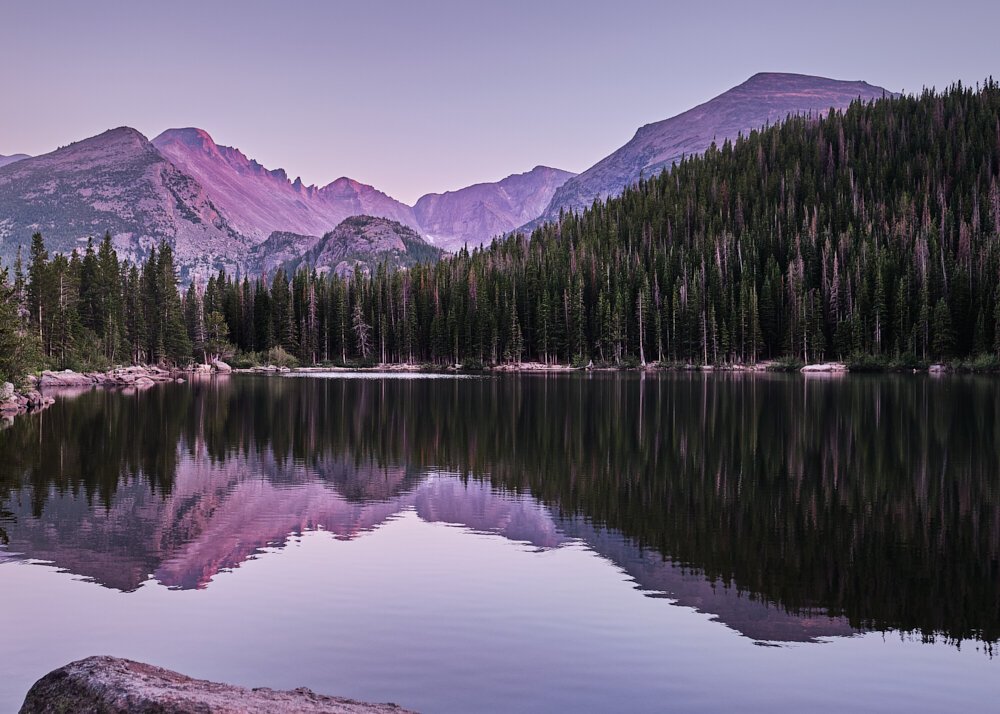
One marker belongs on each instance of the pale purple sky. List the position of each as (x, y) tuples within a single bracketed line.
[(415, 97)]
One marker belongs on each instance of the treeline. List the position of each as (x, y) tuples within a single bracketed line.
[(869, 232), (91, 311), (872, 232)]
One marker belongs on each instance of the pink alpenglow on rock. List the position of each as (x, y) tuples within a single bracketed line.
[(119, 686)]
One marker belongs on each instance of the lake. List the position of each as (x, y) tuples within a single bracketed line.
[(590, 542)]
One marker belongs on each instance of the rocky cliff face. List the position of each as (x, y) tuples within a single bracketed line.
[(474, 215), (366, 242), (116, 182), (258, 201), (766, 98)]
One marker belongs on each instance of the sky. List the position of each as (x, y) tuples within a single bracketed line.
[(416, 97)]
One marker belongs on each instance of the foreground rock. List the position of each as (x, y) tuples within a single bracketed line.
[(108, 685)]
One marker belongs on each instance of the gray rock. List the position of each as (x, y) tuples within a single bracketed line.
[(6, 392), (66, 378), (221, 367), (108, 685)]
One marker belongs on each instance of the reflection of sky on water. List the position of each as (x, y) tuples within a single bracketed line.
[(476, 545), (346, 374), (441, 618)]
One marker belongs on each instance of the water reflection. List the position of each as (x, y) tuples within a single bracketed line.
[(788, 509)]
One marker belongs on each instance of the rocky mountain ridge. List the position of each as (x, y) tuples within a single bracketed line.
[(115, 182), (222, 209), (765, 98), (259, 201), (365, 242)]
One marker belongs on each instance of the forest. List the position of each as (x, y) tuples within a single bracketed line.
[(868, 235)]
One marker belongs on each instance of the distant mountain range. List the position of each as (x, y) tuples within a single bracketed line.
[(258, 201), (221, 209), (4, 160), (474, 215)]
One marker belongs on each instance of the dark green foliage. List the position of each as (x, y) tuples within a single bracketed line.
[(867, 233), (18, 348), (871, 232)]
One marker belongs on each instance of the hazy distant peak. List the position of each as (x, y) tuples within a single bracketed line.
[(10, 159), (475, 214)]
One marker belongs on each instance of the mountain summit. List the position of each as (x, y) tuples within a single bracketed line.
[(259, 201), (765, 98), (115, 182), (475, 214)]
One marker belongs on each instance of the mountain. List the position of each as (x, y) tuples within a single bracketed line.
[(280, 248), (367, 241), (766, 98), (117, 182), (4, 160), (258, 201), (475, 214), (222, 209)]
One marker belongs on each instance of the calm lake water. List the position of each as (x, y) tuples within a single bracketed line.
[(606, 542)]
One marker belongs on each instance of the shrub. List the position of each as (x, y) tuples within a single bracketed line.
[(473, 364), (866, 363), (245, 360), (280, 358), (787, 363)]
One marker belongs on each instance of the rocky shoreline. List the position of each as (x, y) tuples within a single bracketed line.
[(37, 392), (119, 686)]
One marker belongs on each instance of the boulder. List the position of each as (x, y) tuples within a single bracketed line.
[(66, 378), (825, 367), (6, 392), (112, 686), (221, 367)]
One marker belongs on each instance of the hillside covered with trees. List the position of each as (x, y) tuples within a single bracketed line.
[(870, 234)]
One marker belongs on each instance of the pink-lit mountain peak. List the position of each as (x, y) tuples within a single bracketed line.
[(176, 143), (259, 201)]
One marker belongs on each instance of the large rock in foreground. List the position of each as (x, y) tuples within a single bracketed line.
[(108, 685)]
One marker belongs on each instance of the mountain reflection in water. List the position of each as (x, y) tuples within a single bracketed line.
[(789, 509)]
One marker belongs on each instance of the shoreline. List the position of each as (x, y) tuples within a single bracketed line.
[(39, 391)]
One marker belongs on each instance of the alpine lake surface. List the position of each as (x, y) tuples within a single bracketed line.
[(580, 542)]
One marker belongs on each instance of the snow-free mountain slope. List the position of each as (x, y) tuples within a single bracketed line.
[(115, 182), (475, 214), (259, 201), (766, 98), (366, 242)]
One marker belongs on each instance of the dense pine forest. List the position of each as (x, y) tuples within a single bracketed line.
[(868, 235)]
